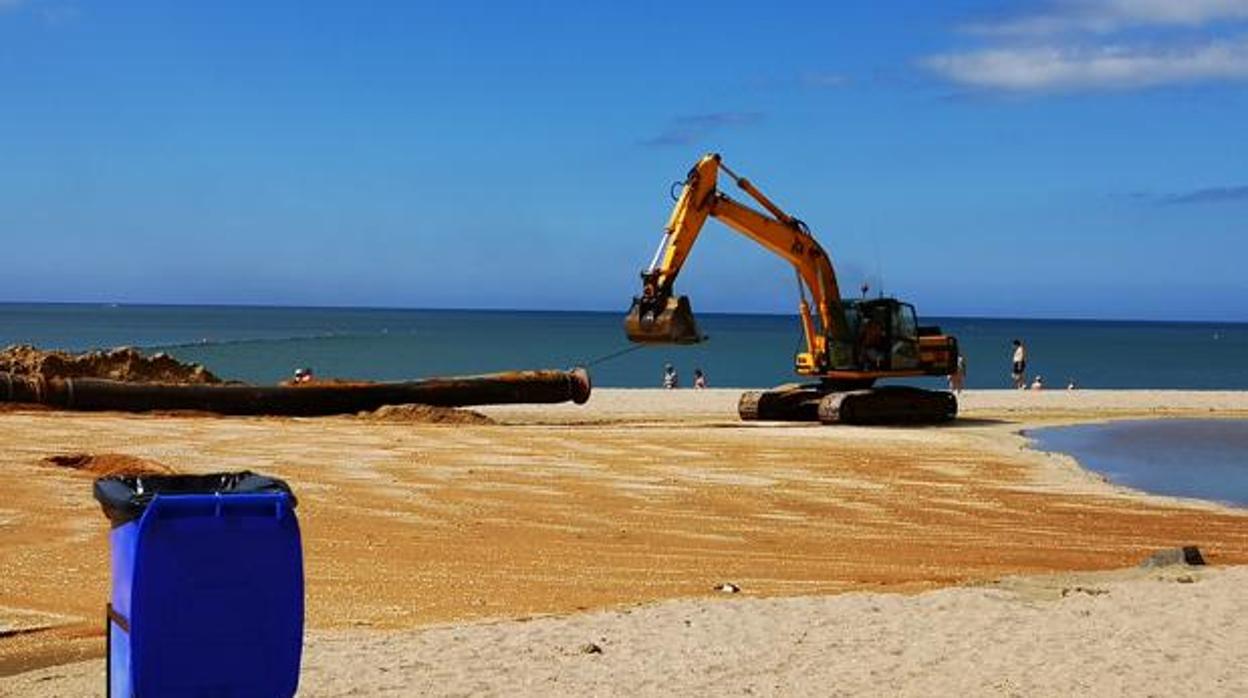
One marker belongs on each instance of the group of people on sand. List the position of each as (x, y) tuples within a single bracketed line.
[(957, 379), (1018, 372), (671, 380)]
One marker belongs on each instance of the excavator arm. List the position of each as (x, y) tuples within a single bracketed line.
[(659, 317)]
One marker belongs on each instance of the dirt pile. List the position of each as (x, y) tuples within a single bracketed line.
[(102, 464), (121, 364), (426, 414)]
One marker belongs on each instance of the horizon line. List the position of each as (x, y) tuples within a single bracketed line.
[(278, 306)]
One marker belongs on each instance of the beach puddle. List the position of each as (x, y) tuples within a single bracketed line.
[(1200, 458)]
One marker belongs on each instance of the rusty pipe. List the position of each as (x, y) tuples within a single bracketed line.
[(314, 399)]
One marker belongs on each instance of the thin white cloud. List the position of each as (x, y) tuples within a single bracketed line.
[(687, 129), (1209, 195), (823, 79), (1106, 16), (1039, 69)]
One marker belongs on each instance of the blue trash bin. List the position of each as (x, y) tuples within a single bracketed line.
[(207, 595)]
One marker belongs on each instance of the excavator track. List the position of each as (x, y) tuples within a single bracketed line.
[(790, 403), (889, 405)]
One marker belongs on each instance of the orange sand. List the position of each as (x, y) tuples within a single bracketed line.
[(409, 525)]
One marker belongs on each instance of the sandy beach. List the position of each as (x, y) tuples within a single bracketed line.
[(486, 559), (295, 257)]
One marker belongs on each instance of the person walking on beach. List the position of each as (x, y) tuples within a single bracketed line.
[(957, 379), (1019, 365), (670, 380), (699, 379)]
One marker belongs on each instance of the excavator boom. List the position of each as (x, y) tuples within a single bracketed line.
[(659, 317)]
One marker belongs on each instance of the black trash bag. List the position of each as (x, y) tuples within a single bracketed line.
[(124, 498)]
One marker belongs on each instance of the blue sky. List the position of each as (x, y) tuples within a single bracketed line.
[(1080, 158)]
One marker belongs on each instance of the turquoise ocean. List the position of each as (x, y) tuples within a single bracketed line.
[(265, 344)]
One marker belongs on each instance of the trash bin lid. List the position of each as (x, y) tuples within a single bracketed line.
[(124, 498)]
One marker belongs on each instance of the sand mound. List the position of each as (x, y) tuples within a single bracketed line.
[(426, 414), (121, 364), (102, 464)]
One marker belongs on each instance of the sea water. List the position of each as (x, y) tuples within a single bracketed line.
[(1202, 458), (265, 344)]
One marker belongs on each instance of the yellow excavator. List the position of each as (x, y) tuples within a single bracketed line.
[(849, 343)]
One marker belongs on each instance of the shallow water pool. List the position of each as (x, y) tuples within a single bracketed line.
[(1202, 458)]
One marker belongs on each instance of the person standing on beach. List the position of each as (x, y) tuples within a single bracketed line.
[(957, 379), (699, 379), (1019, 365), (670, 380)]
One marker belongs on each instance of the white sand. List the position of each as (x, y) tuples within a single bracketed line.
[(1178, 631)]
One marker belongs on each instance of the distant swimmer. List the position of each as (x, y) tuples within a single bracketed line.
[(303, 375), (1038, 383), (670, 380), (1019, 365), (699, 379)]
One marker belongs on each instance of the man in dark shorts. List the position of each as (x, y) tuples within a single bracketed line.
[(1019, 367)]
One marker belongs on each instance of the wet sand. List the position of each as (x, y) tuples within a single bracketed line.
[(641, 496)]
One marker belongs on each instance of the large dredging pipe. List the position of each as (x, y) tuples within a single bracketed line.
[(307, 400)]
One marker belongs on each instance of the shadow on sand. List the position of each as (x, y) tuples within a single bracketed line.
[(975, 422)]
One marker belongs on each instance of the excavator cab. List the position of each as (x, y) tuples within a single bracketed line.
[(886, 334), (888, 337), (659, 318)]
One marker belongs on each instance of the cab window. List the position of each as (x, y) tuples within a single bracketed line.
[(905, 349), (905, 325)]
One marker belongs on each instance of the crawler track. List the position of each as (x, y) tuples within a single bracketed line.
[(815, 403)]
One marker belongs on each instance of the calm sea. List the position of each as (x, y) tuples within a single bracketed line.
[(264, 345), (1205, 458)]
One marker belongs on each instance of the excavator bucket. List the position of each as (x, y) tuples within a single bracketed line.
[(669, 322)]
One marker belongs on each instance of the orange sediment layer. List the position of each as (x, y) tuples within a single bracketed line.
[(410, 525)]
